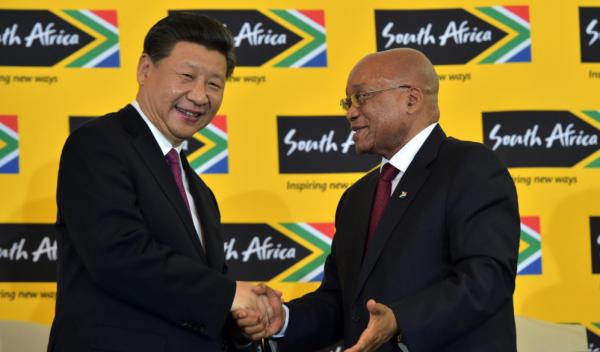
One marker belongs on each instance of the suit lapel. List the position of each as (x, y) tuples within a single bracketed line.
[(410, 184), (362, 201), (149, 151), (211, 234)]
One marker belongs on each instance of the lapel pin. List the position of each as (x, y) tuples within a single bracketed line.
[(403, 194)]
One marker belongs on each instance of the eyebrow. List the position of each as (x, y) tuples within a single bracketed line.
[(355, 87), (190, 64), (360, 85), (197, 67)]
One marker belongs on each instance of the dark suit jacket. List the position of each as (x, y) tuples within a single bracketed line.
[(443, 257), (132, 274)]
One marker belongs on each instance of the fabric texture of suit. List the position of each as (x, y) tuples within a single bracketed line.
[(132, 273), (443, 257)]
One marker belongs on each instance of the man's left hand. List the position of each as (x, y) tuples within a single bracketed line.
[(381, 328)]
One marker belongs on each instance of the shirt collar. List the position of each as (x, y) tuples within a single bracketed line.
[(402, 159), (163, 142)]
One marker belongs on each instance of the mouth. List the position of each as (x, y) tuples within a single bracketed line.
[(359, 129), (188, 114), (358, 132)]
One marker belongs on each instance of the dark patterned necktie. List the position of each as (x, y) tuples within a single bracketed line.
[(382, 196), (173, 161)]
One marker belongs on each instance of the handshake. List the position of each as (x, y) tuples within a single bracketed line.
[(257, 311)]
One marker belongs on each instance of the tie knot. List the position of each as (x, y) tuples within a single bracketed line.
[(388, 172), (172, 157)]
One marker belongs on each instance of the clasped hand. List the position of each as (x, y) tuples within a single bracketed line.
[(257, 310)]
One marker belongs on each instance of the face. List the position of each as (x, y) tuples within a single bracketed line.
[(182, 93), (381, 123)]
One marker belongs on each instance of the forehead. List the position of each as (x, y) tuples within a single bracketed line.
[(197, 55), (370, 71)]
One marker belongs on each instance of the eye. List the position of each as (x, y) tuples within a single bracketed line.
[(187, 76), (214, 85), (360, 97)]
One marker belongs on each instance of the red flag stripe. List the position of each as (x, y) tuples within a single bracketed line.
[(521, 11), (220, 121), (532, 222), (10, 121), (109, 16), (316, 15), (326, 228)]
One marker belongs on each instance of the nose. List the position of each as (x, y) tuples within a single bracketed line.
[(352, 113), (198, 93)]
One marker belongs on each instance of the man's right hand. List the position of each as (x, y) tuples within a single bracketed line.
[(251, 321), (275, 303), (245, 297)]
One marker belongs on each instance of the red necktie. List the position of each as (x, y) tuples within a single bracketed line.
[(173, 161), (382, 196)]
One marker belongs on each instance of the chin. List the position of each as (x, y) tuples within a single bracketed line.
[(361, 150)]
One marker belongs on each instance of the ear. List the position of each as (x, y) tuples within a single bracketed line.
[(143, 70), (415, 100)]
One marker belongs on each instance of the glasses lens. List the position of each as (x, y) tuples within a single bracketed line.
[(346, 103), (358, 99)]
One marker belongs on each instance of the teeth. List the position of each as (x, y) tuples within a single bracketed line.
[(188, 113)]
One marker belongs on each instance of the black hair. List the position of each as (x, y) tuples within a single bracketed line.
[(189, 27)]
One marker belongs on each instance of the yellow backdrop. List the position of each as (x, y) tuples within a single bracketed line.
[(563, 289)]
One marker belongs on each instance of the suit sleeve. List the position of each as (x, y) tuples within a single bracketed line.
[(483, 228), (97, 201), (315, 319)]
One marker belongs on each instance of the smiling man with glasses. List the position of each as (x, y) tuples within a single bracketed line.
[(425, 251)]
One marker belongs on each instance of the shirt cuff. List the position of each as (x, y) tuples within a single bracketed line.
[(281, 332)]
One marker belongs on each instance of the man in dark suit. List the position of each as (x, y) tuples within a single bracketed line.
[(141, 260), (425, 251)]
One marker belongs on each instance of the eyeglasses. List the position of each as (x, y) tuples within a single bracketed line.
[(359, 98)]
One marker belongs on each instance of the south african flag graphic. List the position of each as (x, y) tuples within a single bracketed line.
[(530, 247), (311, 51), (9, 145), (594, 116), (101, 25), (516, 46), (315, 237), (207, 150)]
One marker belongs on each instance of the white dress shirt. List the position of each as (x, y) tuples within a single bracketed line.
[(165, 147), (402, 159)]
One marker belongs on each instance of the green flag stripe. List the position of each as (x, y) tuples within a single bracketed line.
[(110, 38), (302, 272), (314, 264), (594, 164), (11, 144), (220, 145), (314, 240), (534, 246), (318, 39), (522, 34), (593, 114)]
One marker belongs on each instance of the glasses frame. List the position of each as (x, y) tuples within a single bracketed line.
[(357, 99)]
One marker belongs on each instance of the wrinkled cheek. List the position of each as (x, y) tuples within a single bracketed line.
[(364, 143)]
